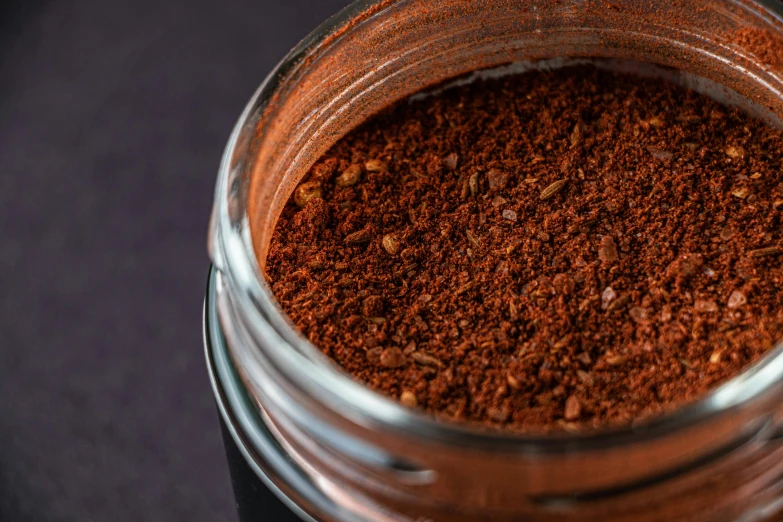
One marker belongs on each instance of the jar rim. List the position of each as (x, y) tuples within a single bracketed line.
[(232, 253)]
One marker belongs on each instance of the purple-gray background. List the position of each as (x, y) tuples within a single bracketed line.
[(113, 116)]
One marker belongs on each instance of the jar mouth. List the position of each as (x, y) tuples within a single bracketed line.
[(233, 254)]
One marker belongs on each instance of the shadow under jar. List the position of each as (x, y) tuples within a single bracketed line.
[(333, 450)]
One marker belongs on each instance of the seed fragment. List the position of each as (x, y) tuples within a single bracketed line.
[(607, 251), (420, 323), (716, 357), (510, 215), (350, 176), (307, 191), (553, 189), (472, 238), (513, 246), (464, 288), (618, 303), (736, 299), (685, 266), (616, 360), (465, 190), (607, 296), (473, 184), (582, 226), (740, 193), (726, 233), (392, 358), (391, 244), (497, 179), (499, 201), (426, 360), (373, 355), (764, 252), (406, 269), (660, 153), (499, 414), (585, 377), (705, 306), (576, 135), (638, 314), (545, 399), (573, 408), (562, 343), (735, 152), (357, 238), (543, 236), (408, 398), (375, 165), (451, 161), (584, 358), (512, 382)]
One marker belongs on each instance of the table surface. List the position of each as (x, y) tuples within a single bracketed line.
[(113, 116)]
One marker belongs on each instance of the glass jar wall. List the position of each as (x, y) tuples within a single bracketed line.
[(340, 452)]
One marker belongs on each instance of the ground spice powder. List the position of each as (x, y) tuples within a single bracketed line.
[(553, 250), (761, 43)]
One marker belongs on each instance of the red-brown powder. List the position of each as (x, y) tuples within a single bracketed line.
[(765, 45), (551, 250)]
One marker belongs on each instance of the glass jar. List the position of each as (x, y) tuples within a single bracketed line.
[(332, 449)]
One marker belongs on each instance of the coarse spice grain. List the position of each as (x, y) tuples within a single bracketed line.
[(553, 250)]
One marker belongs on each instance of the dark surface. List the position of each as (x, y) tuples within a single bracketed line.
[(255, 502), (113, 116)]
